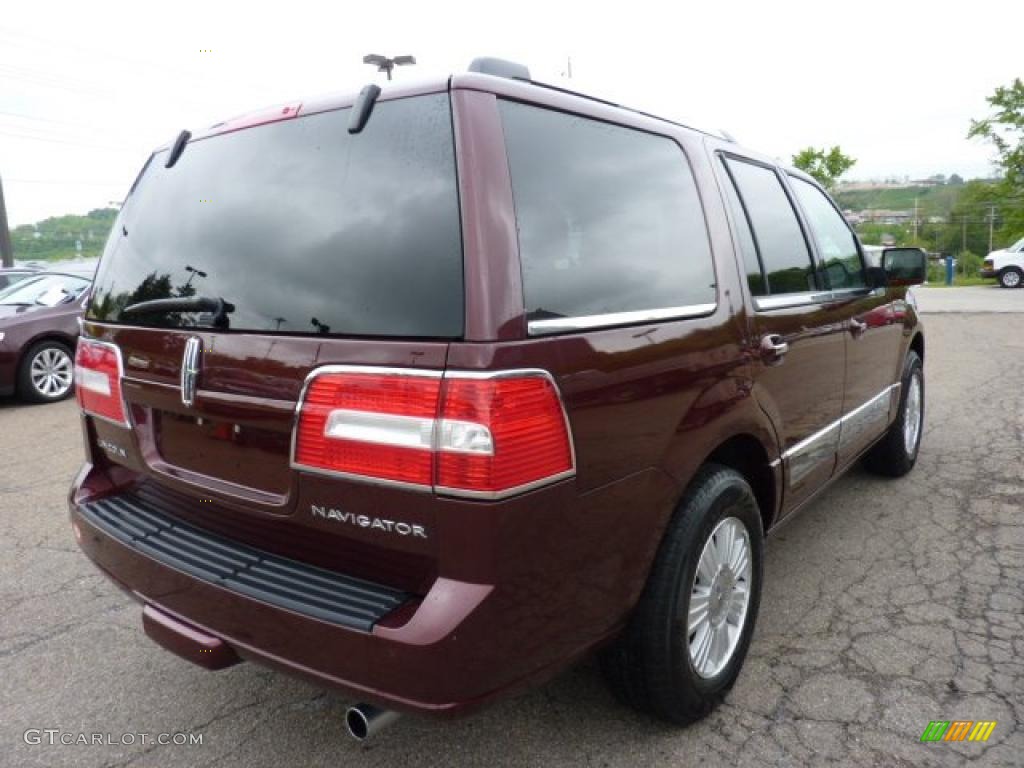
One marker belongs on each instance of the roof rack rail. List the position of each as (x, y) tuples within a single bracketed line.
[(488, 65)]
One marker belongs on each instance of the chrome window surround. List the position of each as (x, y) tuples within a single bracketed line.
[(126, 424), (449, 374), (809, 298), (614, 319)]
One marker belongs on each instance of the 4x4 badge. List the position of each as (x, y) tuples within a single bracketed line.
[(190, 370)]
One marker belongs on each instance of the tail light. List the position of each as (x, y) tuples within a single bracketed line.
[(98, 373), (480, 435)]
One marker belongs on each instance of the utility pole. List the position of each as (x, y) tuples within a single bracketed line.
[(963, 234), (991, 225), (915, 219), (6, 251)]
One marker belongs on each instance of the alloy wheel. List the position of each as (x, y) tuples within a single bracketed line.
[(912, 415), (719, 598), (51, 372)]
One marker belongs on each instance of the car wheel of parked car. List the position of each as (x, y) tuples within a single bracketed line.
[(1011, 277), (46, 373), (689, 634), (894, 455)]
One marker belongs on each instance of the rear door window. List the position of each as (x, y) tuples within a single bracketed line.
[(837, 245), (781, 247), (301, 227), (609, 218)]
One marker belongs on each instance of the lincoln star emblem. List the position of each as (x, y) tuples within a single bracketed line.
[(190, 370)]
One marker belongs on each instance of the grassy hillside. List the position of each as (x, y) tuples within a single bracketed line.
[(932, 201), (55, 239)]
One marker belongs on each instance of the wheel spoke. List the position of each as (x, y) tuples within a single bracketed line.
[(700, 604), (737, 605), (706, 566), (701, 647), (719, 645)]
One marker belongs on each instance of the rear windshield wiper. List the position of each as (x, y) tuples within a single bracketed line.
[(217, 306)]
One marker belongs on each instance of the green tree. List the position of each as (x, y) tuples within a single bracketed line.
[(825, 166), (1004, 130)]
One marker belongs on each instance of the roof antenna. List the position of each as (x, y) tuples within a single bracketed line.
[(363, 107), (177, 148)]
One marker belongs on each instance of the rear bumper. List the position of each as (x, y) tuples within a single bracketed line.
[(445, 653), (396, 667)]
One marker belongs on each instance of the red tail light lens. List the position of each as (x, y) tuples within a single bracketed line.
[(476, 435), (529, 437), (98, 373), (369, 424)]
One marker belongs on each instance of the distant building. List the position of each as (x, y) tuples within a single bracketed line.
[(883, 216)]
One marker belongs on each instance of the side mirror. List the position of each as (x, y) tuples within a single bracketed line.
[(904, 266)]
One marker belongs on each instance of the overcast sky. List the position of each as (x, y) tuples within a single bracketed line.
[(88, 88)]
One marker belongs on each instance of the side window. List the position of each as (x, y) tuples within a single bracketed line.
[(780, 242), (836, 243), (748, 248), (609, 218)]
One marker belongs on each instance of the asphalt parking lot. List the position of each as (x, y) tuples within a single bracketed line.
[(888, 604)]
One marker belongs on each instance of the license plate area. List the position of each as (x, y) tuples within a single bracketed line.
[(234, 452)]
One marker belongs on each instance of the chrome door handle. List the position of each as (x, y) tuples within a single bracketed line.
[(857, 328), (773, 347)]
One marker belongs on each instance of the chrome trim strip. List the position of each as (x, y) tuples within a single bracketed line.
[(452, 374), (364, 479), (781, 301), (190, 370), (803, 450), (807, 298), (807, 441), (612, 319), (862, 419), (806, 455), (498, 495)]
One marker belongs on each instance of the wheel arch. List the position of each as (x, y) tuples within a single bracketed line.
[(917, 345), (48, 335), (746, 454)]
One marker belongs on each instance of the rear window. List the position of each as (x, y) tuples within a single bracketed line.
[(301, 227), (609, 218)]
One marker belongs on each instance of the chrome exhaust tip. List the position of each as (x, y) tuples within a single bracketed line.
[(364, 720)]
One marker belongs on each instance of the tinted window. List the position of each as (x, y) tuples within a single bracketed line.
[(301, 226), (609, 218), (836, 243), (780, 241), (747, 247)]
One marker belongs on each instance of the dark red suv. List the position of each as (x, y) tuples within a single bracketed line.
[(423, 394)]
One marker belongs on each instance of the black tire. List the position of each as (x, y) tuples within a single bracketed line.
[(27, 387), (890, 456), (1011, 277), (649, 667)]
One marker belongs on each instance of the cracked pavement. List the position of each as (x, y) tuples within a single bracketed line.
[(887, 604)]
